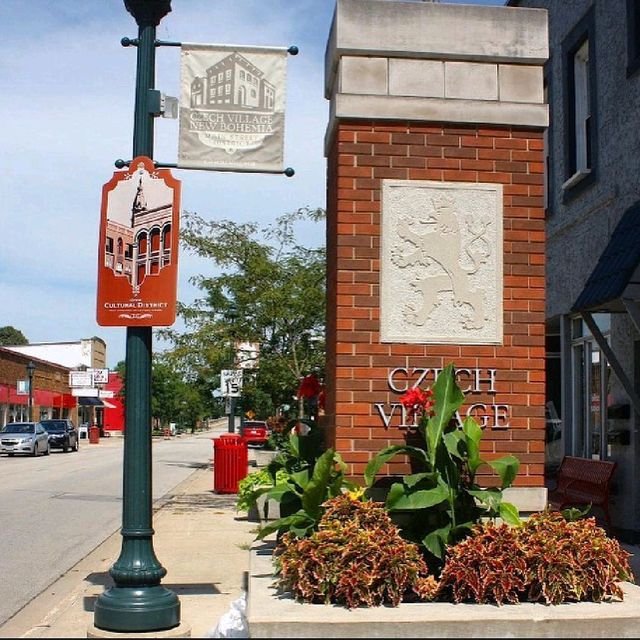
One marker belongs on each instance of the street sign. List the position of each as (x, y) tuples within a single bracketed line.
[(231, 383), (80, 379), (100, 376)]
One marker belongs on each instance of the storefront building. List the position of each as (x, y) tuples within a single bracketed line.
[(85, 355), (50, 392), (113, 416), (592, 85)]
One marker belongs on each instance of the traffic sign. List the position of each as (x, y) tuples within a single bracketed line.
[(231, 383)]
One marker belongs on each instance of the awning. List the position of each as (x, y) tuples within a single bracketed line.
[(88, 401), (614, 287), (616, 275)]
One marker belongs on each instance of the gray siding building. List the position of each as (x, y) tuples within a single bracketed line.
[(592, 84)]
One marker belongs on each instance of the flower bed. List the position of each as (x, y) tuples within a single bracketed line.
[(276, 615), (460, 544)]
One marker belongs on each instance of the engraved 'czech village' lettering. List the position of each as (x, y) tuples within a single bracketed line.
[(471, 381)]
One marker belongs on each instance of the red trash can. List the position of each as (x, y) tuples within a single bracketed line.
[(230, 462), (94, 435)]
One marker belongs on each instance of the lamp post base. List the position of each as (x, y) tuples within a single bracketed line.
[(132, 609)]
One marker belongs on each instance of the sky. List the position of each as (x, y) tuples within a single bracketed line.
[(66, 114)]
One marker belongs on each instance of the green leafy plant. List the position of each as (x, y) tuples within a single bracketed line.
[(548, 559), (303, 492), (356, 558), (254, 485), (444, 498)]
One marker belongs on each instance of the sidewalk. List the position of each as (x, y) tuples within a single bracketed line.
[(199, 538)]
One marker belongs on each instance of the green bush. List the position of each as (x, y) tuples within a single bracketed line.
[(356, 558), (302, 493), (247, 488)]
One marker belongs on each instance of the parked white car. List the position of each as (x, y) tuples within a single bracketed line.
[(24, 437)]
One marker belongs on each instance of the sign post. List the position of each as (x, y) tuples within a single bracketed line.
[(138, 602), (231, 388)]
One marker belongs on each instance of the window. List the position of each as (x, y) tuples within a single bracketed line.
[(582, 113), (580, 102), (227, 74), (547, 158), (227, 89), (633, 36), (220, 76)]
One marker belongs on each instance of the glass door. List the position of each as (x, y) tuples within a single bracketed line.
[(591, 380)]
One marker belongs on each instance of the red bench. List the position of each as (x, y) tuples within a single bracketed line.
[(583, 481)]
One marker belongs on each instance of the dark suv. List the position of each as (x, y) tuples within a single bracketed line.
[(62, 434)]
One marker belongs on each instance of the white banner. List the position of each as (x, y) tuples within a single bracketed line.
[(232, 106)]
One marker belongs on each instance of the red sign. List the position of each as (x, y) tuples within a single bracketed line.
[(138, 250)]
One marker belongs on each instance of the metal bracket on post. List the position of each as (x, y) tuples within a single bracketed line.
[(121, 164), (161, 105)]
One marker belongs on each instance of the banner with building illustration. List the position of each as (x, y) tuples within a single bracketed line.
[(138, 247), (232, 105)]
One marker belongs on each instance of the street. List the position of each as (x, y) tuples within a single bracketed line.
[(55, 509)]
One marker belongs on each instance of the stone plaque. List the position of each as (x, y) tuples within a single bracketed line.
[(441, 262)]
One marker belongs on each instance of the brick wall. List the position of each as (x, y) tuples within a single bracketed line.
[(364, 153)]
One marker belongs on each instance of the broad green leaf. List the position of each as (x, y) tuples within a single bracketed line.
[(507, 468), (489, 497), (575, 514), (384, 455), (447, 397), (509, 513), (342, 465), (301, 478), (258, 491), (473, 434), (401, 497), (436, 541), (299, 520), (455, 443), (415, 478), (280, 491), (294, 443), (315, 492)]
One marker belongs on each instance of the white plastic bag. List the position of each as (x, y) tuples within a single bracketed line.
[(233, 623)]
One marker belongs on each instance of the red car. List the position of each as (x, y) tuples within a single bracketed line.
[(256, 432)]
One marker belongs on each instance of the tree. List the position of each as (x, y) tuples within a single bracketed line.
[(172, 398), (267, 289), (12, 336)]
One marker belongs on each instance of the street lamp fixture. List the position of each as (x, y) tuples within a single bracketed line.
[(30, 369)]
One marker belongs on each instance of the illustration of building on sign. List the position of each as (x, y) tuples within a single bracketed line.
[(139, 245), (233, 83)]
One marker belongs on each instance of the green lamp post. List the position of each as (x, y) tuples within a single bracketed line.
[(138, 602)]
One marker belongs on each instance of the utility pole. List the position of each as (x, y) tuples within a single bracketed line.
[(138, 602)]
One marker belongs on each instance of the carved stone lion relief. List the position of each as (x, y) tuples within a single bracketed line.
[(441, 262)]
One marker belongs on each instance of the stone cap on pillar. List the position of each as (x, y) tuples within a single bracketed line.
[(432, 62)]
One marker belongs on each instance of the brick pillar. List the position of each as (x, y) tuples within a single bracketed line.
[(436, 128)]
